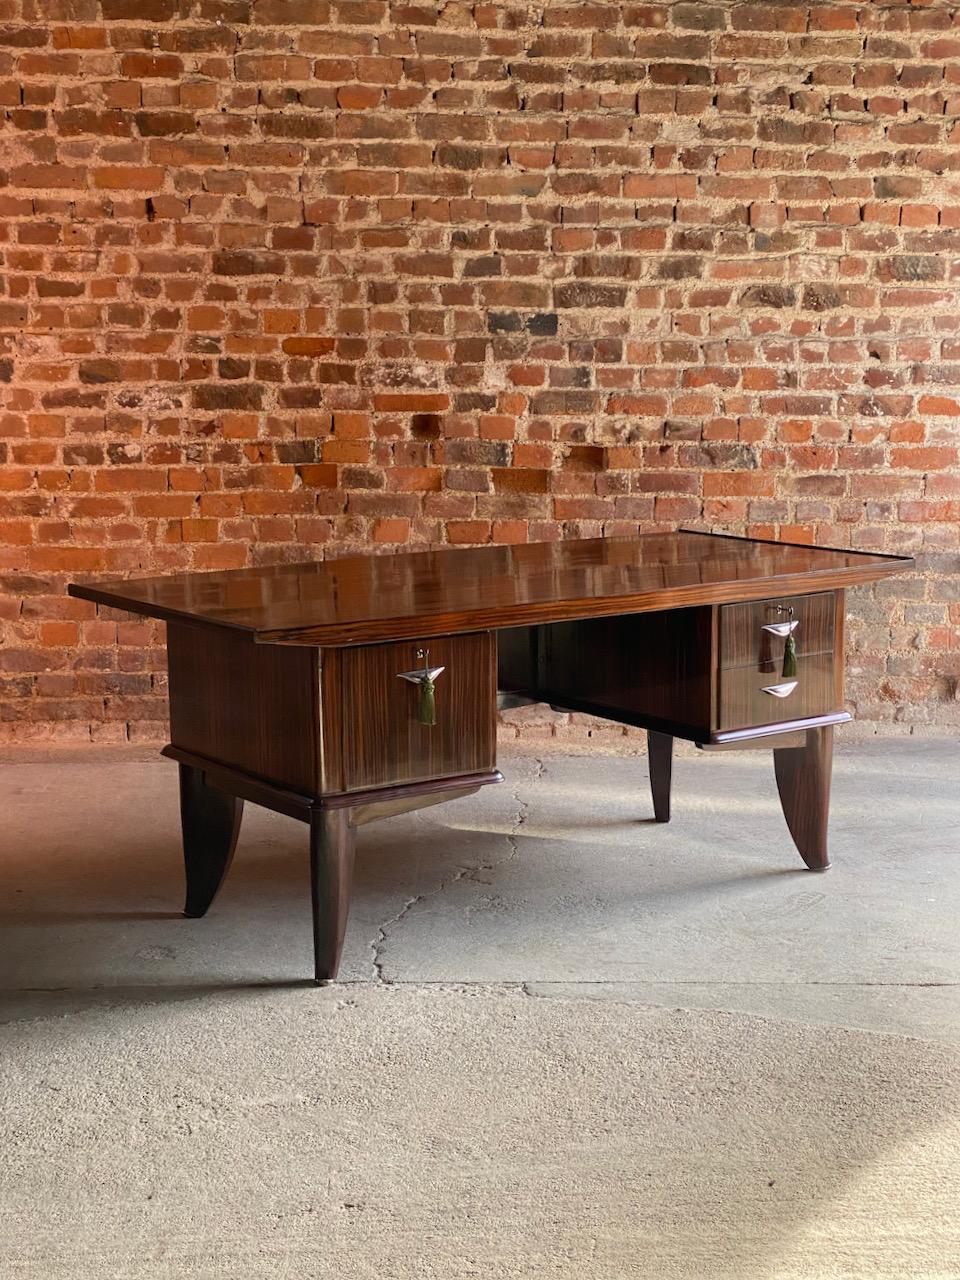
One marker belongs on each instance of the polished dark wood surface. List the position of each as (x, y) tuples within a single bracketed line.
[(666, 671), (250, 706), (743, 640), (757, 734), (364, 599), (654, 668), (332, 844), (793, 738), (744, 704), (660, 761), (285, 685), (245, 786), (803, 780), (383, 741), (334, 721), (210, 820), (802, 765), (211, 805), (300, 806)]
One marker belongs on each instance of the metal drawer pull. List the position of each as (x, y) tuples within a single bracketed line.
[(785, 630), (424, 679), (781, 690), (781, 628)]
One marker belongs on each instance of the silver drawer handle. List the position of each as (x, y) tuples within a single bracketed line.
[(424, 679), (418, 677), (781, 628), (781, 690)]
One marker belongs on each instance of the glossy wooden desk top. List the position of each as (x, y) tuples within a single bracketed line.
[(362, 599)]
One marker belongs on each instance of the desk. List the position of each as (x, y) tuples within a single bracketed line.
[(345, 691)]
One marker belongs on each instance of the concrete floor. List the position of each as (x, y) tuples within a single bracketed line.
[(557, 880), (569, 1043)]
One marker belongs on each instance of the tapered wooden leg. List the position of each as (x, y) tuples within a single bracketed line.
[(211, 823), (803, 780), (332, 839), (660, 756)]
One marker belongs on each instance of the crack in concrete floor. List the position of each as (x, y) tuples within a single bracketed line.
[(555, 882), (467, 872)]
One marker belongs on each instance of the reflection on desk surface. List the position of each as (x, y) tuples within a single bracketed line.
[(334, 600)]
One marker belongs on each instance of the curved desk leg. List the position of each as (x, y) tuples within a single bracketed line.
[(660, 757), (211, 823), (332, 840), (803, 780)]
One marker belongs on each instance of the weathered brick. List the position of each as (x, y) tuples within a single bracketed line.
[(157, 124), (699, 17), (143, 66), (396, 276), (236, 263), (214, 395), (589, 295), (100, 371), (140, 10), (129, 177), (769, 295), (680, 268)]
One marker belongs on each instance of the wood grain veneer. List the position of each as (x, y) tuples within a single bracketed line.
[(743, 704), (803, 780), (384, 742), (692, 673), (652, 669), (284, 685), (744, 642), (247, 705), (362, 600)]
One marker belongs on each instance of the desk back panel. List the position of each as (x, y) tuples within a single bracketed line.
[(649, 669)]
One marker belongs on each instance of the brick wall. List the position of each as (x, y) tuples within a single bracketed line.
[(286, 278)]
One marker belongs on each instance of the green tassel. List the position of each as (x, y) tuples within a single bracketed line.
[(428, 702), (790, 656)]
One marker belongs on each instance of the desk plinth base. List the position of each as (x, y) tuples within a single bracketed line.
[(211, 807), (212, 796)]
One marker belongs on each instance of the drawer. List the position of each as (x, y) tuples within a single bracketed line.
[(745, 642), (384, 742), (744, 702)]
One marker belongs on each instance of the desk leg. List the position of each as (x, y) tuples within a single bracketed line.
[(332, 839), (660, 759), (210, 820), (803, 780)]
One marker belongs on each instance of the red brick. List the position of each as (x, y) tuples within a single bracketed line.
[(468, 531), (359, 97), (129, 177), (347, 285), (142, 66), (391, 530)]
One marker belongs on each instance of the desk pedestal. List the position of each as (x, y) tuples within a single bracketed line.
[(338, 737)]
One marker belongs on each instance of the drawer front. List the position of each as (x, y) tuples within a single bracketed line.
[(746, 641), (384, 742), (749, 697)]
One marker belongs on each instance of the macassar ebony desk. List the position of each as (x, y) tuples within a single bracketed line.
[(344, 691)]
